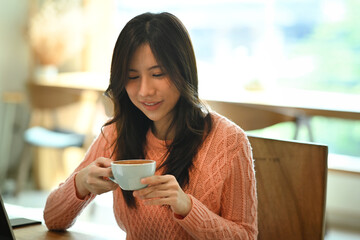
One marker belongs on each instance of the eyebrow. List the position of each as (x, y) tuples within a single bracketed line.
[(150, 68)]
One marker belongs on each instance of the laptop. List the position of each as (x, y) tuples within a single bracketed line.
[(7, 225)]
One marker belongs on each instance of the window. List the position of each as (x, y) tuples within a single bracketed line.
[(308, 44)]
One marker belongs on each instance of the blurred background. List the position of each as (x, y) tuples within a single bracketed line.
[(241, 46)]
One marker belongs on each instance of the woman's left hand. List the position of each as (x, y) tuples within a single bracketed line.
[(165, 190)]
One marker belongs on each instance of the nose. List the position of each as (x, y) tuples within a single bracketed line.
[(146, 87)]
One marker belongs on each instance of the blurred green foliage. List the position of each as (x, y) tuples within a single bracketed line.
[(341, 136), (335, 47)]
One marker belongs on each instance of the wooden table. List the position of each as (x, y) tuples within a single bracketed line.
[(82, 229), (289, 100), (251, 106), (294, 101), (40, 232), (263, 108), (79, 81)]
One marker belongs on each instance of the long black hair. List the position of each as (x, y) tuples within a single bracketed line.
[(171, 45)]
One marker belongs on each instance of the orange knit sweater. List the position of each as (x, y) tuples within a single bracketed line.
[(222, 189)]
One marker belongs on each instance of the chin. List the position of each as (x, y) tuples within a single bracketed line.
[(152, 117)]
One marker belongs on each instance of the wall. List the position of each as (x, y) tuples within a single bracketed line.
[(343, 200), (14, 51), (15, 62)]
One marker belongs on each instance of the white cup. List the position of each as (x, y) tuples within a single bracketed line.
[(128, 173)]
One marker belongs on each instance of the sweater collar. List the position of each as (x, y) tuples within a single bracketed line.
[(153, 142)]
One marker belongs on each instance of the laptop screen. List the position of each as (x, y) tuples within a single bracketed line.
[(6, 232)]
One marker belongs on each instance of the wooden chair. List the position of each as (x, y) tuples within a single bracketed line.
[(252, 116), (47, 128), (10, 105), (291, 188)]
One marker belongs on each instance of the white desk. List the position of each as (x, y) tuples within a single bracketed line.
[(295, 101)]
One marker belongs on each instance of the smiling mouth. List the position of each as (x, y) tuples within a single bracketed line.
[(150, 104)]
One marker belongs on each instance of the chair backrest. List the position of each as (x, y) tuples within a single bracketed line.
[(10, 128), (291, 187), (52, 102), (250, 117), (50, 97)]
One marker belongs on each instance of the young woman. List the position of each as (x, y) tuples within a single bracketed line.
[(204, 186)]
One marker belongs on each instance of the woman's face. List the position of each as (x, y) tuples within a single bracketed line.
[(151, 90)]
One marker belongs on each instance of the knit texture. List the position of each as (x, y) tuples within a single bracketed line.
[(222, 188)]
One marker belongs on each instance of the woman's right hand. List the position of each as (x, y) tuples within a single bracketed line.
[(95, 178)]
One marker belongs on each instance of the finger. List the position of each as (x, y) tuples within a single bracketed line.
[(100, 186), (158, 183), (103, 162), (100, 171), (110, 185), (162, 190), (105, 172), (179, 205), (158, 201), (158, 194), (150, 189), (157, 179), (104, 184)]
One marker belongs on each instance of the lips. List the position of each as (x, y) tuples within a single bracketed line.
[(151, 106)]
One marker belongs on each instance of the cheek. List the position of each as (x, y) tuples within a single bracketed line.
[(175, 94)]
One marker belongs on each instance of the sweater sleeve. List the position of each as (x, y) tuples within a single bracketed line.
[(238, 211), (63, 205)]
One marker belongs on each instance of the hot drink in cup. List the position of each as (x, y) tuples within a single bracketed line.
[(128, 173)]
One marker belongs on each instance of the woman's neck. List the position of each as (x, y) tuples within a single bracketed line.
[(162, 132)]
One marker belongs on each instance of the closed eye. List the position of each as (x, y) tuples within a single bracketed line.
[(133, 77), (159, 75)]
